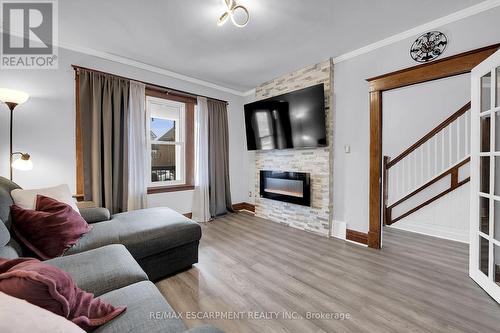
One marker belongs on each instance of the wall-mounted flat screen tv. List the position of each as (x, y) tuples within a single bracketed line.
[(289, 121)]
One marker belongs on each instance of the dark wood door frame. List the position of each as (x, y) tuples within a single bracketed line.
[(455, 65)]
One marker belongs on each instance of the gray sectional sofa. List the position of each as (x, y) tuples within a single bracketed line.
[(117, 259), (161, 240)]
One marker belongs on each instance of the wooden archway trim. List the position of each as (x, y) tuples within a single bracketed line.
[(455, 65)]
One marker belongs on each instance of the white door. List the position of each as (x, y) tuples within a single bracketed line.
[(484, 253)]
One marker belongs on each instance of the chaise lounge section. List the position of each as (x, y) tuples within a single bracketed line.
[(161, 240)]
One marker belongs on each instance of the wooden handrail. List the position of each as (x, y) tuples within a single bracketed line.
[(385, 189), (431, 200), (429, 135), (430, 182), (454, 184)]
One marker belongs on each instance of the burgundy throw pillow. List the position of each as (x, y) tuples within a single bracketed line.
[(53, 289), (51, 229)]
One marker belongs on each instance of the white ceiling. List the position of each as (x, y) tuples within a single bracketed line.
[(283, 35)]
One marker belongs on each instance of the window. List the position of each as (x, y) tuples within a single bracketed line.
[(166, 125), (170, 143)]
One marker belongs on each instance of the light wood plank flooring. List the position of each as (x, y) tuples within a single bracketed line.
[(414, 284)]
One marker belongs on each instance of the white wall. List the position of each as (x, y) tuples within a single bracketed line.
[(181, 202), (44, 126), (447, 217), (408, 114), (351, 107), (411, 112)]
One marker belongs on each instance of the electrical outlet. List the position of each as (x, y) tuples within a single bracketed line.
[(250, 194)]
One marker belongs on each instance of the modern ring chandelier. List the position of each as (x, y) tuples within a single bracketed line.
[(232, 10)]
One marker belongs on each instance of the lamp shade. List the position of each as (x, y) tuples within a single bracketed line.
[(23, 163), (13, 96)]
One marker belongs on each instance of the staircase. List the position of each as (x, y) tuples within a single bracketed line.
[(432, 167)]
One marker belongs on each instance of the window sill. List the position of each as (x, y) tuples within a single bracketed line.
[(79, 197), (172, 188)]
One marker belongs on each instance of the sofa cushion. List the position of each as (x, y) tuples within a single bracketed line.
[(95, 214), (144, 232), (4, 235), (11, 251), (142, 300), (101, 270), (102, 234)]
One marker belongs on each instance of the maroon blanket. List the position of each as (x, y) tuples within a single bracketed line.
[(53, 289)]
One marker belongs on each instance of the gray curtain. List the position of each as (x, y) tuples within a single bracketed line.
[(104, 127), (218, 158)]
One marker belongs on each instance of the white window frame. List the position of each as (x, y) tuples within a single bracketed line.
[(181, 156)]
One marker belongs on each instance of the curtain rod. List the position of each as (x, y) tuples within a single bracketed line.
[(150, 85)]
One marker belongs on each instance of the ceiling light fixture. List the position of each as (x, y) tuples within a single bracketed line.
[(232, 10)]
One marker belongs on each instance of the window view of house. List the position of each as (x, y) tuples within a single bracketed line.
[(162, 156)]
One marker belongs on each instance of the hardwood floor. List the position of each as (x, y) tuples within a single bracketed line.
[(414, 284)]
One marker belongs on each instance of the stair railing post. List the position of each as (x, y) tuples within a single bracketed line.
[(385, 188)]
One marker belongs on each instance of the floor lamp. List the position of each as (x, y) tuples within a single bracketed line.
[(13, 98)]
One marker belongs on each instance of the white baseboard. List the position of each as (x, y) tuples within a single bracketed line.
[(429, 230)]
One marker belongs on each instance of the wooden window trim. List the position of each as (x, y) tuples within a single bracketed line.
[(171, 188), (151, 90), (189, 143), (455, 65), (170, 91), (79, 148), (166, 94)]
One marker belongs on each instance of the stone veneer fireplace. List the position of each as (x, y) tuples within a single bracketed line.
[(318, 162), (292, 187)]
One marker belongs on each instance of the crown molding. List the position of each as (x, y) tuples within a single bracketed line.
[(147, 67), (249, 93), (136, 64), (454, 17), (418, 30), (457, 16)]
